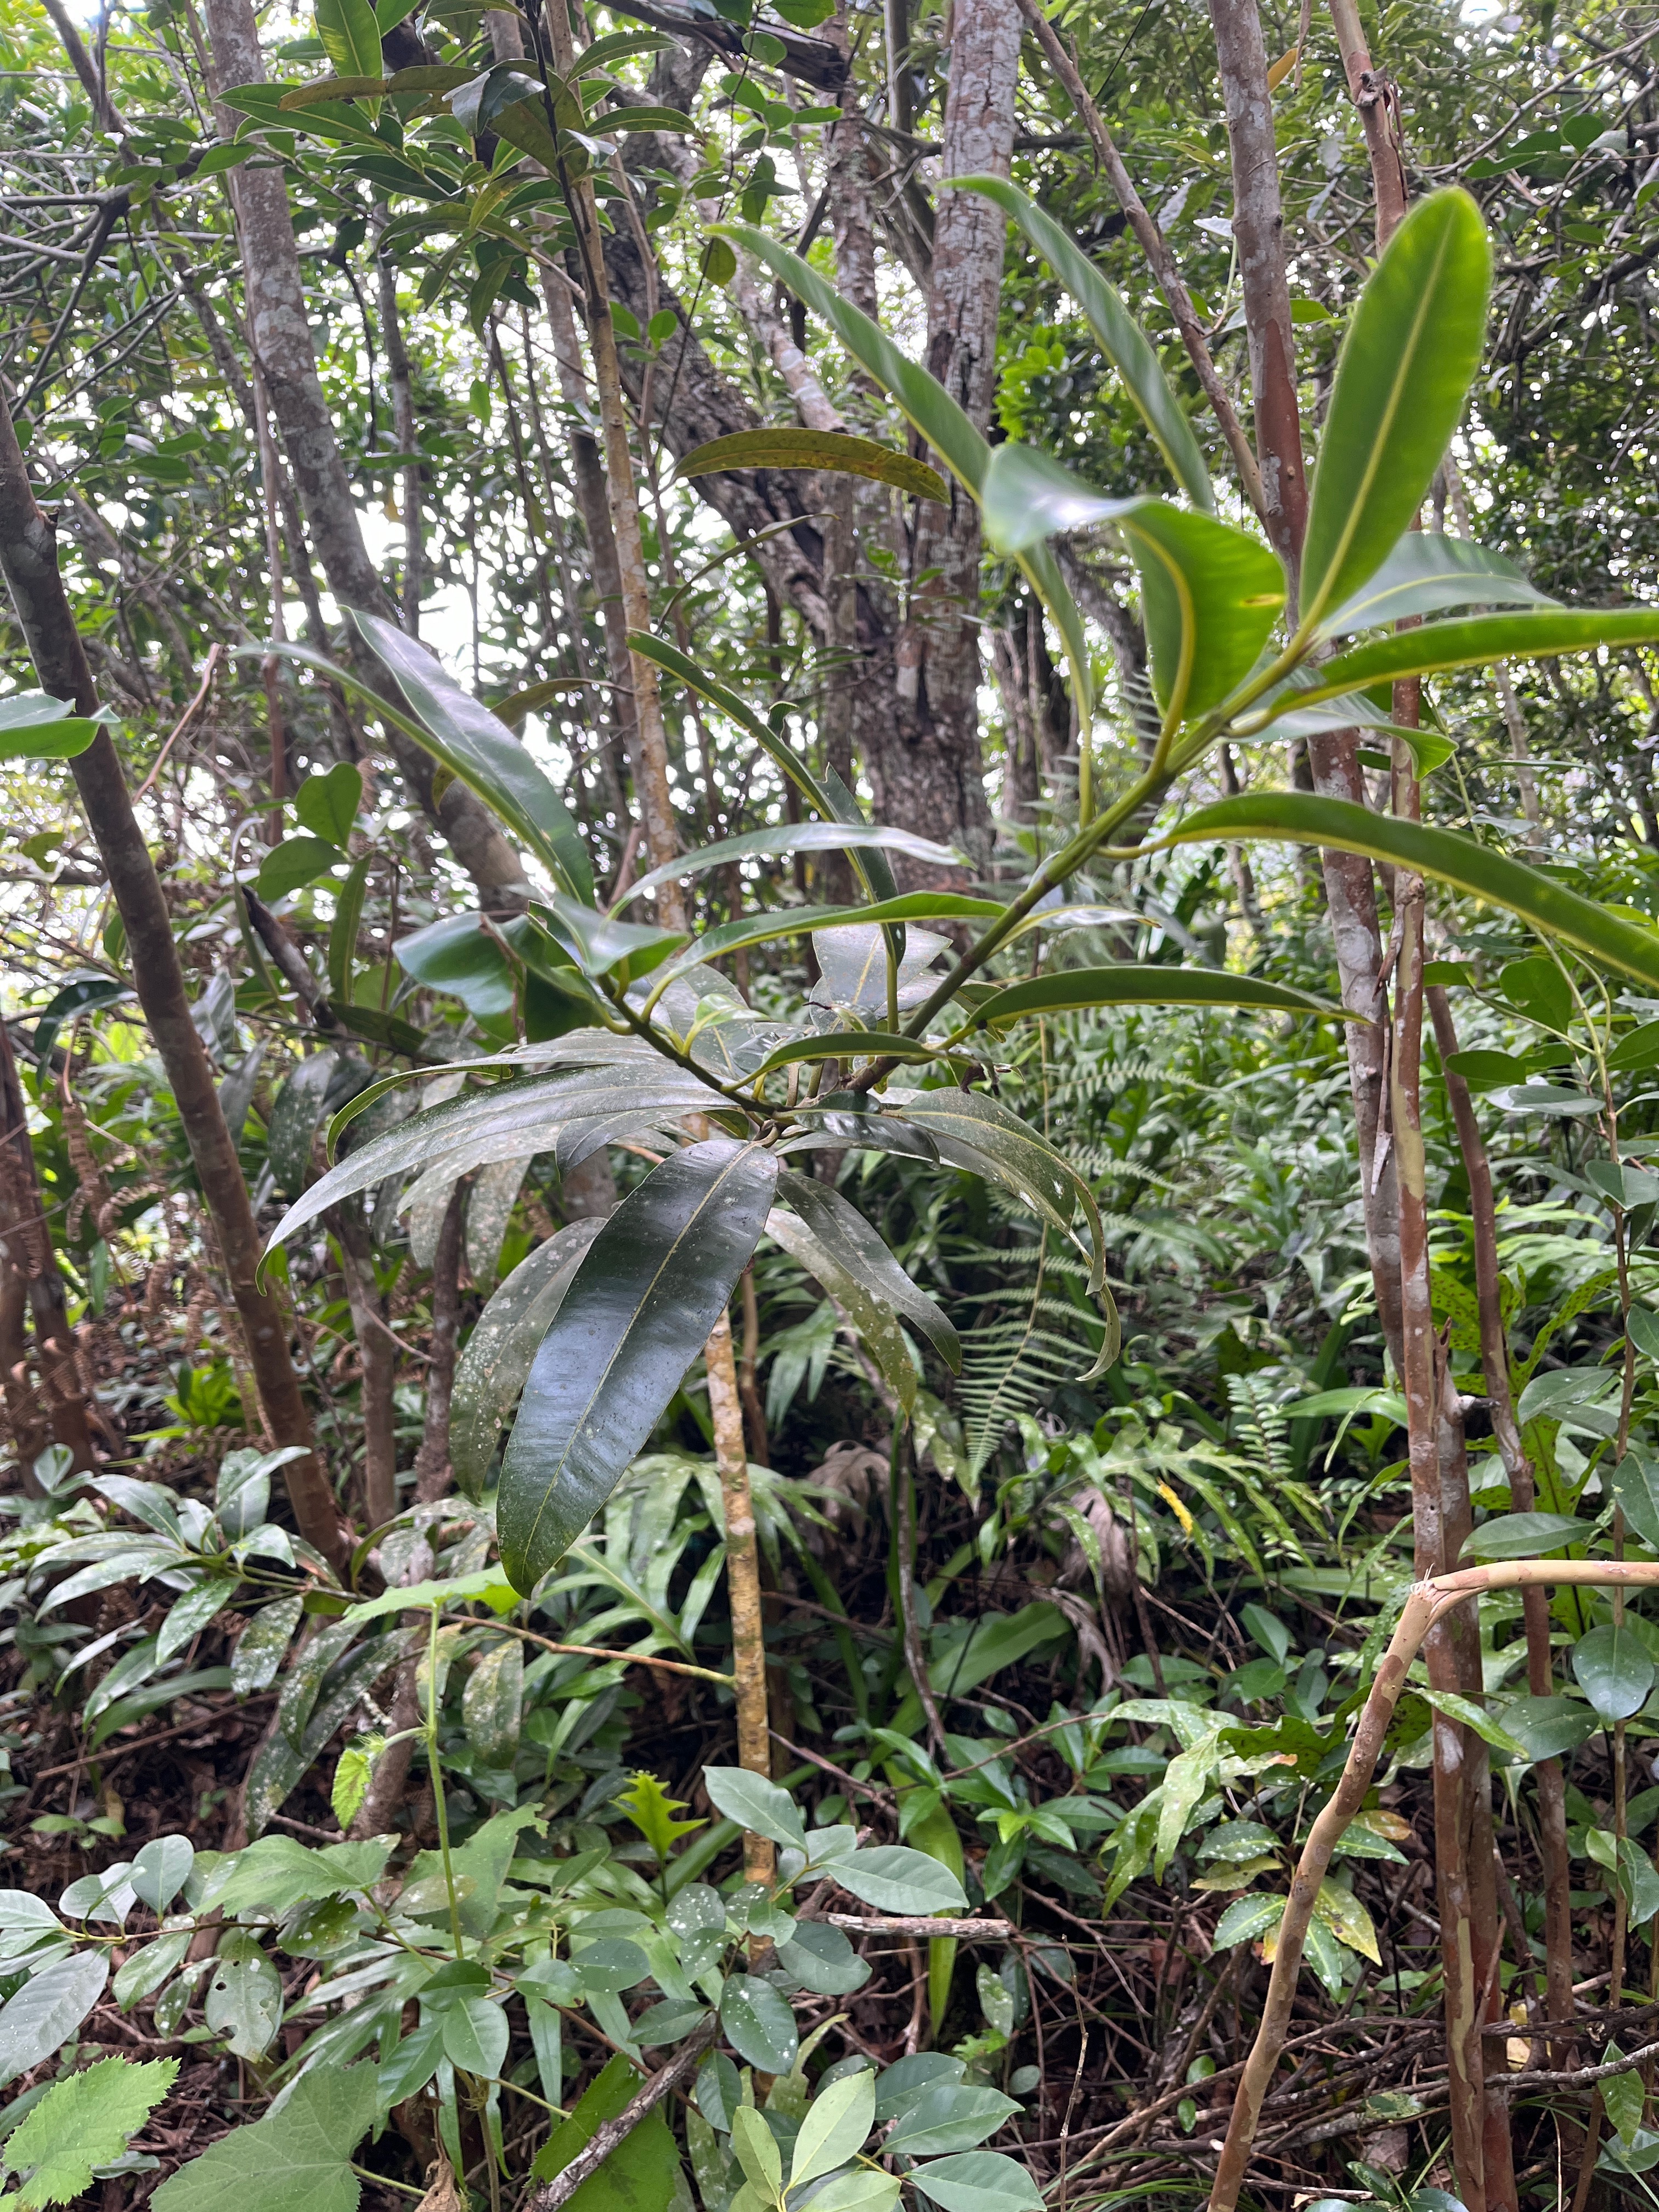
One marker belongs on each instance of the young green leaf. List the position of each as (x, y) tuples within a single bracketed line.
[(35, 727), (837, 2121), (328, 803), (1120, 337), (1426, 573), (833, 450), (642, 1303), (1407, 360), (794, 837), (652, 1811), (81, 2123), (757, 2153)]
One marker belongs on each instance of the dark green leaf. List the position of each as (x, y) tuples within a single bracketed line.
[(895, 1879), (758, 2023), (491, 1370), (81, 995), (1478, 642), (1300, 818), (756, 1803), (950, 2117), (1610, 1665), (292, 865), (1409, 355), (845, 1234), (328, 803), (294, 1117), (794, 837), (35, 727), (1136, 984), (843, 455), (642, 1302), (461, 955), (1525, 1535)]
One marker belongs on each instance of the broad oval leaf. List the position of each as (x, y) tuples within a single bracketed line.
[(895, 1879), (1121, 338), (979, 2181), (643, 1300), (1301, 818), (1409, 355), (1427, 572), (1134, 983), (758, 2023), (491, 1370), (950, 2117), (33, 726), (483, 753), (1610, 1666), (755, 1803), (1525, 1535), (834, 450)]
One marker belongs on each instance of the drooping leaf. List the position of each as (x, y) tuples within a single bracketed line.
[(1426, 573), (1408, 357), (1134, 983), (491, 1369), (926, 404), (845, 1234), (871, 1319), (485, 755), (461, 954), (1120, 337), (342, 931), (83, 2122), (794, 837), (294, 1117), (1300, 817), (641, 1304), (836, 450), (492, 1703), (1525, 1535), (299, 2154), (489, 1207)]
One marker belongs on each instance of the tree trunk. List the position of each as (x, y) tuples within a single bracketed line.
[(27, 1246), (279, 331), (432, 1472), (29, 555)]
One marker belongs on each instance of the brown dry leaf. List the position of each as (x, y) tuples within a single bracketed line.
[(442, 2195)]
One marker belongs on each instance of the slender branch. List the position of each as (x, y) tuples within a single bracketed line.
[(680, 2068)]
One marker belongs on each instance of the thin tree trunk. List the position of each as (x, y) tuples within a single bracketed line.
[(743, 1583), (405, 429), (432, 1470), (377, 1355), (29, 557), (27, 1243), (279, 331)]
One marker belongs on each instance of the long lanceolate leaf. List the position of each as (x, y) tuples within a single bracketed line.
[(1121, 338), (1409, 356), (1132, 983), (844, 1232), (675, 663), (1478, 642), (491, 1371), (485, 755), (925, 403), (643, 1300), (1300, 818), (795, 837)]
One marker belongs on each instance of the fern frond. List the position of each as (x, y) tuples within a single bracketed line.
[(1010, 1367)]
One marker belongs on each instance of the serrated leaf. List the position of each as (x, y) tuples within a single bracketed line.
[(640, 1306), (297, 2156), (837, 451), (81, 2123)]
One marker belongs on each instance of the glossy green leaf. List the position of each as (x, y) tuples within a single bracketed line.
[(485, 755), (1469, 1713), (1132, 984), (1026, 496), (979, 2181), (1525, 1535), (295, 1115), (836, 450), (1636, 1488), (642, 1303), (490, 1204), (844, 1233), (932, 410), (342, 932), (602, 946), (259, 1650), (850, 1044), (950, 2117), (33, 725), (837, 2122), (492, 1705), (1544, 1726), (1300, 818), (1410, 353), (804, 921), (462, 956), (497, 1357), (244, 1998), (1610, 1665), (298, 2155), (1426, 573), (350, 36), (758, 2023), (327, 802), (755, 2148), (871, 1319), (1246, 1920), (980, 1134), (679, 664), (1478, 642), (755, 1803), (1120, 337), (475, 2035), (292, 865), (794, 837), (892, 1878)]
